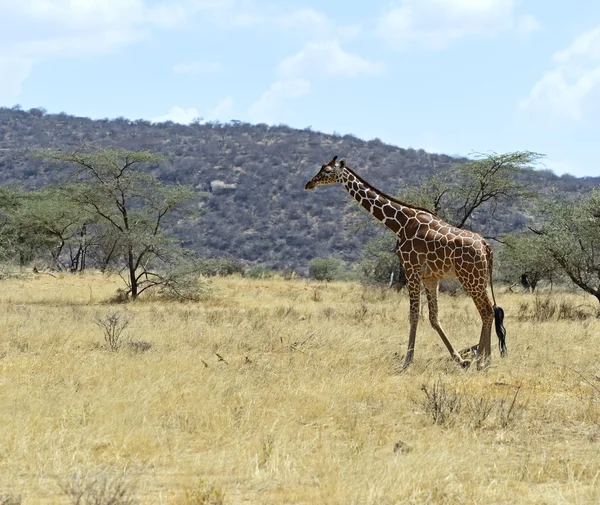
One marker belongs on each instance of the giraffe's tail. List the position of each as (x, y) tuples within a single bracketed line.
[(498, 311), (500, 330)]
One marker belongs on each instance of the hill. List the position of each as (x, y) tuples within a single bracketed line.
[(258, 210)]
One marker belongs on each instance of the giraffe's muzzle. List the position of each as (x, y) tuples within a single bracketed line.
[(310, 184)]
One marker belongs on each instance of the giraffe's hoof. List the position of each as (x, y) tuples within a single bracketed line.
[(405, 366), (469, 353), (465, 363)]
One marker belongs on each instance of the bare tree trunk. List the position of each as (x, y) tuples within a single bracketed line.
[(132, 278)]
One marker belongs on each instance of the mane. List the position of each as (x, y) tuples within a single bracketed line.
[(391, 198)]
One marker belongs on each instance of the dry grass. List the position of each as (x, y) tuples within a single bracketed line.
[(275, 391)]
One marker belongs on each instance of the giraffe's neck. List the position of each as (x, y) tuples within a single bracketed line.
[(392, 214)]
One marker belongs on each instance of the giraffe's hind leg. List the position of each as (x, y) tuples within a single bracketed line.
[(484, 307), (431, 290)]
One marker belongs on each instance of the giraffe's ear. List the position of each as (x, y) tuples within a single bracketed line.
[(343, 162)]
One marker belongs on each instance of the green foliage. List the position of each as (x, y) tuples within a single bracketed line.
[(260, 272), (379, 261), (214, 267), (455, 195), (42, 225), (526, 254), (132, 209), (570, 233), (325, 269)]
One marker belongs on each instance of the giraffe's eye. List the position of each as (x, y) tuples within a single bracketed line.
[(328, 169)]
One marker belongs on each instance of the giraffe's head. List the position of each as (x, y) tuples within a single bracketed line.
[(329, 174)]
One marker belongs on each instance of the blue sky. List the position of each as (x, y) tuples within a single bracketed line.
[(448, 76)]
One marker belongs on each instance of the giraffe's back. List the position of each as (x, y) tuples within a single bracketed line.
[(442, 251)]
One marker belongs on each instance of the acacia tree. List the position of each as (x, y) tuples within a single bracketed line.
[(42, 225), (570, 234), (458, 194), (482, 183), (525, 256), (135, 209)]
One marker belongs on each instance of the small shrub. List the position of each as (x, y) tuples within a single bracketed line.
[(113, 324), (523, 313), (440, 404), (568, 311), (220, 267), (494, 413), (544, 308), (479, 410), (283, 312), (260, 272), (509, 409), (288, 274), (181, 284), (325, 269), (360, 313), (98, 488), (121, 296), (9, 499), (139, 346), (204, 494)]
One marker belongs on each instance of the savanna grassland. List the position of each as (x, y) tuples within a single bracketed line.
[(273, 391)]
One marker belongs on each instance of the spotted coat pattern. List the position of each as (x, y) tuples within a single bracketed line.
[(429, 249)]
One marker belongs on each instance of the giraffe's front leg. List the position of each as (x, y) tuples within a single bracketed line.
[(414, 293), (431, 289)]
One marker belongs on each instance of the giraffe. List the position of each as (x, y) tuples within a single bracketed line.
[(429, 250)]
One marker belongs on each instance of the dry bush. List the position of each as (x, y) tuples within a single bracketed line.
[(113, 325), (450, 407), (442, 405), (98, 487), (203, 494), (569, 311), (485, 410), (10, 499), (548, 307)]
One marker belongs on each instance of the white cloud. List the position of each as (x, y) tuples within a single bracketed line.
[(197, 67), (315, 59), (73, 45), (14, 71), (330, 59), (178, 115), (93, 14), (566, 91), (44, 30), (310, 23), (221, 112), (585, 46), (527, 24), (265, 109), (306, 18), (435, 24)]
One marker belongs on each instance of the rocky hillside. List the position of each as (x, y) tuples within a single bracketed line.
[(258, 210)]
